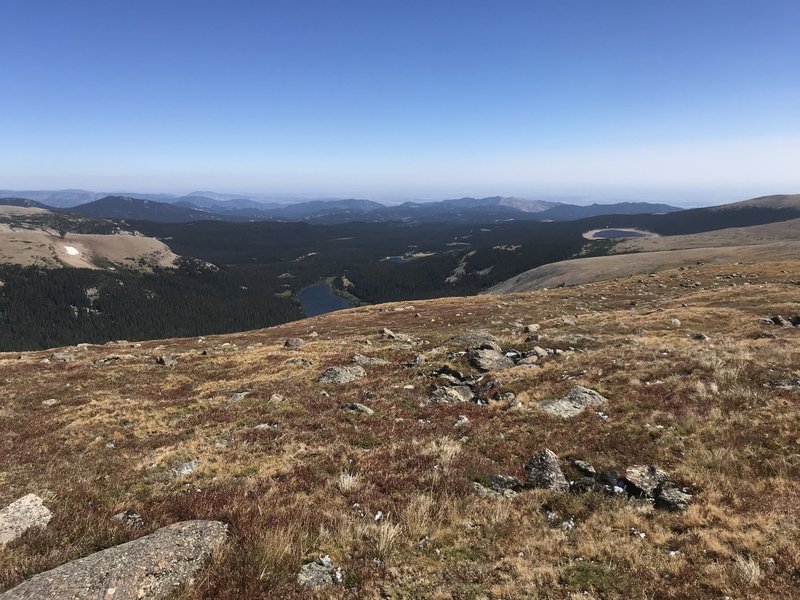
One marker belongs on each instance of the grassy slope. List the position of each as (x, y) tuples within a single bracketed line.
[(699, 410)]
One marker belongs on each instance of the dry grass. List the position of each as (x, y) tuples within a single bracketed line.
[(301, 477)]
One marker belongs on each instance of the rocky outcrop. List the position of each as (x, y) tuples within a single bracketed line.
[(342, 375), (149, 568), (22, 515), (573, 403), (645, 482)]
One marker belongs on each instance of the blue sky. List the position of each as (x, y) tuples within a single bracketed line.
[(685, 101)]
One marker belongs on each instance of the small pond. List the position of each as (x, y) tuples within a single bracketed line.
[(320, 298)]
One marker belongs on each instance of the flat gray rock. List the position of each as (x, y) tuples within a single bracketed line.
[(21, 515), (489, 360), (150, 568), (574, 403), (341, 375), (368, 361), (474, 339)]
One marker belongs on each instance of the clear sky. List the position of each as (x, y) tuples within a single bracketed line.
[(627, 99)]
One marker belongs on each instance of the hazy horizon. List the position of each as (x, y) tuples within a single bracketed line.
[(686, 103)]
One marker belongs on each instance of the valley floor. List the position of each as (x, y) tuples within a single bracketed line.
[(241, 429)]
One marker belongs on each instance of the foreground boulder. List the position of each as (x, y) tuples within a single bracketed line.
[(150, 568), (21, 515), (341, 375), (574, 403), (544, 472)]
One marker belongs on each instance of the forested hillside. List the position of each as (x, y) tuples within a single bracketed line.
[(45, 308)]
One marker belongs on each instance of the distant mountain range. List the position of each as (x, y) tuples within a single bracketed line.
[(123, 207), (200, 206)]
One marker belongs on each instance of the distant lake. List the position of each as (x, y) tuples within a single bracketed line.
[(618, 233), (320, 299)]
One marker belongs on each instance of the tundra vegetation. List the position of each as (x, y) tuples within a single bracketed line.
[(425, 497)]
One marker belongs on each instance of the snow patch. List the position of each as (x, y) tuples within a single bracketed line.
[(71, 250)]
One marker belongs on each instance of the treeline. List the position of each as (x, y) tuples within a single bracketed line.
[(46, 308)]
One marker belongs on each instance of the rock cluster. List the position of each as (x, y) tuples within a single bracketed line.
[(638, 481)]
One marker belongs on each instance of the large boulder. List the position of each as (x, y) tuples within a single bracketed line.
[(573, 403), (544, 472), (21, 515), (150, 568), (341, 375)]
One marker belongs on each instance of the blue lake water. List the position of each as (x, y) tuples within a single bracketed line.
[(320, 298), (617, 233)]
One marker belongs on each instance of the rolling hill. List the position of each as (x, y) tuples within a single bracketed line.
[(574, 212)]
